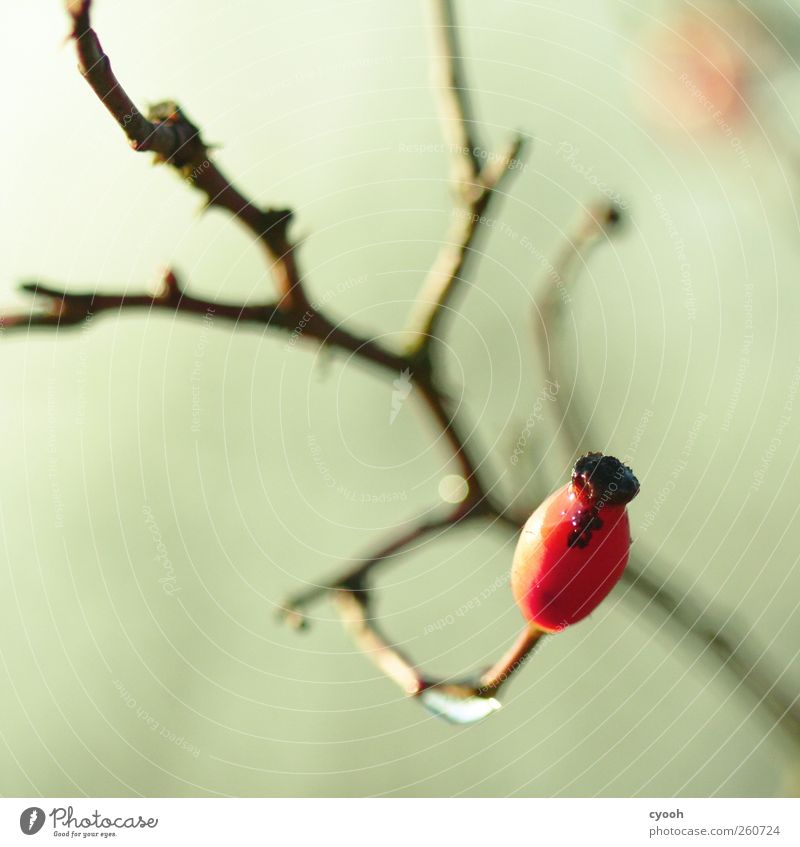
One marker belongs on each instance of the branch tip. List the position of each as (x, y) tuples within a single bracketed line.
[(615, 217)]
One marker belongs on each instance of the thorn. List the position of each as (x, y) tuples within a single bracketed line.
[(322, 361), (171, 290), (293, 617), (277, 218), (204, 206)]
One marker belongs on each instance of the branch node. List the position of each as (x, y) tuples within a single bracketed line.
[(276, 228), (188, 148)]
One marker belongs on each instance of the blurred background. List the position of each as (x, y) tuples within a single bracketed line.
[(167, 482)]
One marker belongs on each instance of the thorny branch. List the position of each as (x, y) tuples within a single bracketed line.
[(475, 179)]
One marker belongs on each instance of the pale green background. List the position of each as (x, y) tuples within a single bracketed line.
[(313, 104)]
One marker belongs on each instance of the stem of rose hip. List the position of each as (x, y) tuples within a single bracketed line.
[(513, 659)]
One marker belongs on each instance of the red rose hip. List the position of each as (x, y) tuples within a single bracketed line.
[(574, 547)]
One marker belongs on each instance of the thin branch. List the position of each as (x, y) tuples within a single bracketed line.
[(474, 183), (459, 702), (688, 616), (70, 308), (356, 577), (165, 139), (167, 132), (65, 309), (448, 79), (594, 226), (469, 217), (353, 607), (477, 495)]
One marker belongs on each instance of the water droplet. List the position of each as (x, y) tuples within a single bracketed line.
[(455, 706)]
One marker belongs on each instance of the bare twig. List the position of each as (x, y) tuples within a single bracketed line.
[(66, 308), (356, 577), (354, 610), (687, 615), (447, 76), (444, 697), (473, 183), (469, 214), (69, 308), (594, 226), (167, 132)]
